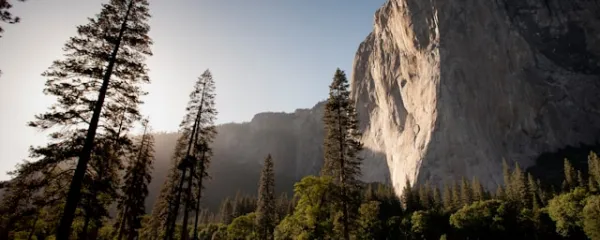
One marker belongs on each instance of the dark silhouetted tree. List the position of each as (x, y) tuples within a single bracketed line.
[(97, 79), (266, 209), (135, 186)]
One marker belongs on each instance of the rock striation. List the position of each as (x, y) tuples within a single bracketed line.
[(449, 88)]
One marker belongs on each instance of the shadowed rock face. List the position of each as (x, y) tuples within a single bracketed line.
[(448, 88)]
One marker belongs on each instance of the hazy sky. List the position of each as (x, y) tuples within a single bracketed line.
[(265, 55)]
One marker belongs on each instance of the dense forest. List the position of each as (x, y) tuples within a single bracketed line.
[(92, 178)]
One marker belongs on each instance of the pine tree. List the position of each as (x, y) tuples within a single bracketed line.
[(341, 147), (466, 193), (135, 186), (519, 187), (205, 136), (101, 71), (456, 200), (447, 198), (437, 198), (409, 198), (226, 212), (478, 192), (507, 180), (266, 209), (197, 133), (534, 196), (6, 16), (570, 175)]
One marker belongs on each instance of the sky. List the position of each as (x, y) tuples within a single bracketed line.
[(265, 55)]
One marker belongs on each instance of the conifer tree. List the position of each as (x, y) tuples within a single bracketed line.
[(506, 173), (570, 175), (456, 199), (533, 188), (101, 71), (447, 198), (425, 198), (341, 147), (519, 187), (409, 198), (205, 136), (226, 211), (135, 186), (478, 192), (437, 198), (466, 193), (266, 209), (197, 133)]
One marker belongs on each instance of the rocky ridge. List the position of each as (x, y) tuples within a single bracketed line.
[(446, 89)]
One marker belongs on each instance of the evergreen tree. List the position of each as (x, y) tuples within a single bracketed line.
[(341, 147), (101, 71), (205, 136), (135, 186), (478, 192), (447, 198), (456, 199), (409, 198), (226, 212), (507, 179), (466, 193), (519, 187), (437, 198), (266, 209), (570, 175), (197, 133), (533, 189)]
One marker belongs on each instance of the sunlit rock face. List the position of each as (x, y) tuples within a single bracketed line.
[(449, 88)]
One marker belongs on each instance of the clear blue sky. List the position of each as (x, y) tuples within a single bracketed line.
[(265, 55)]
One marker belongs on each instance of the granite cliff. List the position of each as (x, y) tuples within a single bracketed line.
[(446, 89)]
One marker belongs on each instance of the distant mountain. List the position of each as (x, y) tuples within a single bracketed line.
[(293, 139)]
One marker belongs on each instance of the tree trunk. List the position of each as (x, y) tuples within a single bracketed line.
[(122, 225), (199, 194), (64, 228), (186, 209)]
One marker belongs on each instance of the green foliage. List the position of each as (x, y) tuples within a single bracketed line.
[(591, 217), (480, 219), (565, 210), (369, 224), (243, 228)]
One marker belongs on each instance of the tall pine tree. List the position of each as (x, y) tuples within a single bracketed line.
[(135, 186), (205, 136), (341, 147), (97, 79), (266, 209), (198, 132)]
